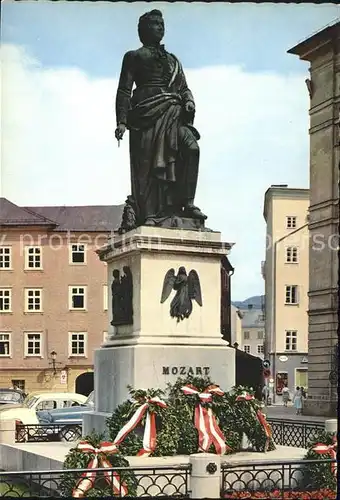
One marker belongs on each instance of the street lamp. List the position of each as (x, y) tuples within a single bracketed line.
[(53, 362)]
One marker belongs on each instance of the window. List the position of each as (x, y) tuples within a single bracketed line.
[(19, 384), (291, 255), (291, 222), (77, 254), (246, 335), (291, 340), (33, 300), (105, 299), (246, 348), (77, 297), (260, 349), (5, 344), (33, 258), (281, 382), (292, 294), (5, 299), (5, 258), (48, 404), (301, 378), (260, 335), (69, 403), (33, 344), (77, 344)]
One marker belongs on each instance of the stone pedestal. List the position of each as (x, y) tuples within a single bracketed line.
[(157, 349)]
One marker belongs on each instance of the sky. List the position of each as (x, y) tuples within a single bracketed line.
[(60, 65)]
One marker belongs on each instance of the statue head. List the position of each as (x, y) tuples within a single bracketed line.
[(116, 274), (127, 270), (151, 27)]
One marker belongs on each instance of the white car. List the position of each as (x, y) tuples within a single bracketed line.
[(26, 413)]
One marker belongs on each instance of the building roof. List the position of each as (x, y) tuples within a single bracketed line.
[(252, 318), (316, 40), (283, 191), (83, 218), (97, 218), (12, 215)]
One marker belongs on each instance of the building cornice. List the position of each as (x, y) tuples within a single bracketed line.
[(20, 225), (150, 239), (283, 193), (307, 48)]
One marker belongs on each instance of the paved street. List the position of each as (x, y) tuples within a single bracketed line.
[(279, 411)]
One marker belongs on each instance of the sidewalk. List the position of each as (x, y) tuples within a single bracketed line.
[(280, 412)]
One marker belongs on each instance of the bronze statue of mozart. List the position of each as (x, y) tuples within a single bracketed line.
[(156, 106)]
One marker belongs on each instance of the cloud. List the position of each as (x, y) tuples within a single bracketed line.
[(58, 145)]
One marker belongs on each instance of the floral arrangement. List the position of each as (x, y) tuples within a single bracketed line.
[(193, 415), (321, 475), (323, 494), (92, 453), (318, 479)]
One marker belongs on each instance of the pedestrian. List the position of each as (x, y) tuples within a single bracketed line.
[(297, 400), (303, 392), (285, 395), (265, 393)]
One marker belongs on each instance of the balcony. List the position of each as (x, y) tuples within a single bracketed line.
[(263, 269)]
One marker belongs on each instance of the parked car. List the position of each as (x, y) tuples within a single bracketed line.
[(73, 414), (69, 415), (26, 413), (11, 396)]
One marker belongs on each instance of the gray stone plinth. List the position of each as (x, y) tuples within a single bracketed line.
[(156, 349), (154, 366), (95, 421)]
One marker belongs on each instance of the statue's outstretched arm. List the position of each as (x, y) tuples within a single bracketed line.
[(126, 81)]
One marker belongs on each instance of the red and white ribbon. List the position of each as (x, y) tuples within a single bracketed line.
[(205, 422), (266, 427), (245, 396), (330, 450), (150, 433), (87, 480)]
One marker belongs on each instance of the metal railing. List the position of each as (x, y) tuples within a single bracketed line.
[(47, 432), (169, 481), (294, 433), (285, 432), (275, 480)]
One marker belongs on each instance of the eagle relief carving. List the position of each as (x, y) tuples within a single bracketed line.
[(187, 288)]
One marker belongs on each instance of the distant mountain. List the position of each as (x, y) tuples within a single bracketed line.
[(255, 301)]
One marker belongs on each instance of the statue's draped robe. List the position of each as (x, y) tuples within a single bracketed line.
[(158, 124)]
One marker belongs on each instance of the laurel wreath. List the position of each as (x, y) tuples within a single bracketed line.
[(176, 433)]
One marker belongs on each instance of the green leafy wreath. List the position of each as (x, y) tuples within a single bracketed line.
[(78, 459), (133, 442), (320, 475), (244, 417), (182, 409), (176, 432)]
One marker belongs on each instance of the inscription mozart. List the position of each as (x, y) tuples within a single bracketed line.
[(186, 370)]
